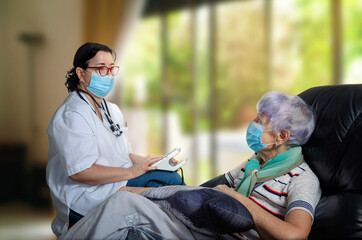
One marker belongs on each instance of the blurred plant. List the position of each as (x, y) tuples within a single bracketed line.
[(352, 35), (315, 52)]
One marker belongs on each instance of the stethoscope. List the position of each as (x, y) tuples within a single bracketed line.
[(115, 128)]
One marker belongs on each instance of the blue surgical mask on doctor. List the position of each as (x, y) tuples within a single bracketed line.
[(253, 137), (100, 85)]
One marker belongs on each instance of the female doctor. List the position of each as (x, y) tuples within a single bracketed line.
[(89, 155)]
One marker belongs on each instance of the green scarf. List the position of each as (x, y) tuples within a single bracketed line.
[(275, 167)]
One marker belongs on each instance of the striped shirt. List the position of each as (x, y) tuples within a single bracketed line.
[(298, 189)]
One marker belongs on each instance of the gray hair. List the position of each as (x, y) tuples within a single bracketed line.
[(288, 112)]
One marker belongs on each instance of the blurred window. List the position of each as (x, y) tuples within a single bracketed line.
[(260, 46)]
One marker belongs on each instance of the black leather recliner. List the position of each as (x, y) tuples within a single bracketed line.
[(333, 152)]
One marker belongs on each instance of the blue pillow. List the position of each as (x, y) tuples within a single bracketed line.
[(203, 209)]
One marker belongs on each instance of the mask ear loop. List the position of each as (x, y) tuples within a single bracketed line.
[(276, 146), (83, 82)]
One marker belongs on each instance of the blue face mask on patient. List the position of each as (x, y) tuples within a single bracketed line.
[(253, 137), (99, 85)]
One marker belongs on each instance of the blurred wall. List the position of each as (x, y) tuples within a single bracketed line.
[(26, 104)]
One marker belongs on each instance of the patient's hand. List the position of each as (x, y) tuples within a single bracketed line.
[(137, 190)]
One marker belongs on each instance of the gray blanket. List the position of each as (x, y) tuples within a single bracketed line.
[(127, 215)]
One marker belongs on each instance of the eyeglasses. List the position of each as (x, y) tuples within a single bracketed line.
[(103, 70)]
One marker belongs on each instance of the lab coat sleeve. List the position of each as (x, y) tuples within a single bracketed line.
[(75, 141)]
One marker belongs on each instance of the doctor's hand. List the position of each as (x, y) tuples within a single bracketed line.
[(174, 161), (142, 165)]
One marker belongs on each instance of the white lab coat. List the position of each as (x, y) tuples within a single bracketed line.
[(78, 139)]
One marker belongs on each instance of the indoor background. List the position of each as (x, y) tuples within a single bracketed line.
[(191, 74)]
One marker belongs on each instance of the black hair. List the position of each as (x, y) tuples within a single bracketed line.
[(81, 58)]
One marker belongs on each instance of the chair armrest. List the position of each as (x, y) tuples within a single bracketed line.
[(216, 181)]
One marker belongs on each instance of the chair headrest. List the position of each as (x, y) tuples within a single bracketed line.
[(334, 149)]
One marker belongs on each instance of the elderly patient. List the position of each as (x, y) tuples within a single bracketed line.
[(276, 185)]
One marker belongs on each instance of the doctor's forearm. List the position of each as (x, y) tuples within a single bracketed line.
[(98, 174), (135, 157)]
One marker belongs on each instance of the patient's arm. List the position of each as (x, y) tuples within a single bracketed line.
[(297, 223)]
